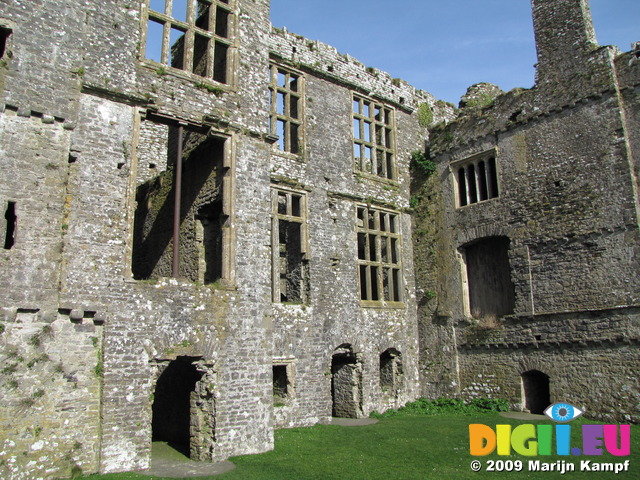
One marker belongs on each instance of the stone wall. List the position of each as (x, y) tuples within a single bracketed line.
[(88, 329), (308, 335), (566, 204)]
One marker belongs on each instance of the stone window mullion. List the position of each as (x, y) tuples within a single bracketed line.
[(476, 173), (467, 173)]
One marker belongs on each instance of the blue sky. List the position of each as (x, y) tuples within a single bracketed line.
[(444, 47)]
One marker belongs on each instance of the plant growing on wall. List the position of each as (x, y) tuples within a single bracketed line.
[(420, 162)]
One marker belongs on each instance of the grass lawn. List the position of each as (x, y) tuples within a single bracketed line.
[(399, 447)]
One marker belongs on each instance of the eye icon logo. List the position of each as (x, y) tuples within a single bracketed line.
[(562, 412)]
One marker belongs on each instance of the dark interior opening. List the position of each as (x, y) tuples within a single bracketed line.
[(220, 62), (536, 391), (280, 381), (292, 272), (173, 403), (12, 222), (4, 40)]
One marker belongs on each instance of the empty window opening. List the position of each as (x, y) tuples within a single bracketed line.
[(477, 180), (346, 383), (282, 388), (391, 371), (285, 108), (193, 36), (290, 263), (199, 228), (175, 404), (11, 225), (491, 291), (378, 255), (535, 391), (5, 33), (373, 138)]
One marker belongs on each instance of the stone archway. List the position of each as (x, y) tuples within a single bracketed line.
[(535, 391), (184, 410), (346, 383)]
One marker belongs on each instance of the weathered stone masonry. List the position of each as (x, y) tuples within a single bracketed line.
[(550, 308), (307, 270)]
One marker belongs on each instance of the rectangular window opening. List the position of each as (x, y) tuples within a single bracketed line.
[(280, 381), (200, 55), (290, 267), (220, 63), (196, 35), (493, 178), (477, 180), (157, 5), (180, 10), (199, 231), (177, 49), (378, 256), (483, 192), (285, 106), (203, 13), (222, 22), (373, 137), (154, 41)]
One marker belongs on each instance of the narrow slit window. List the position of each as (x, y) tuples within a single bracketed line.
[(11, 225)]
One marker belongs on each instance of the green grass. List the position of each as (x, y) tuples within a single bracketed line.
[(402, 446)]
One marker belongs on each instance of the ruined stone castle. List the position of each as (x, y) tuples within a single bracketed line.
[(213, 228)]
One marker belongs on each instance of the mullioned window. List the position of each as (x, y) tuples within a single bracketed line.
[(373, 138), (191, 35), (380, 272), (285, 99)]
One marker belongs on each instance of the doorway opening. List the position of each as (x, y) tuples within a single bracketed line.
[(346, 383), (535, 391), (184, 410)]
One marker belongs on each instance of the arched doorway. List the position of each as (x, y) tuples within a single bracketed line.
[(535, 391), (183, 409), (346, 383)]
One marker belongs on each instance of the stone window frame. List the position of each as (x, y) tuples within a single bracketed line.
[(289, 216), (228, 272), (481, 173), (378, 139), (385, 231), (282, 86), (289, 367), (190, 28)]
